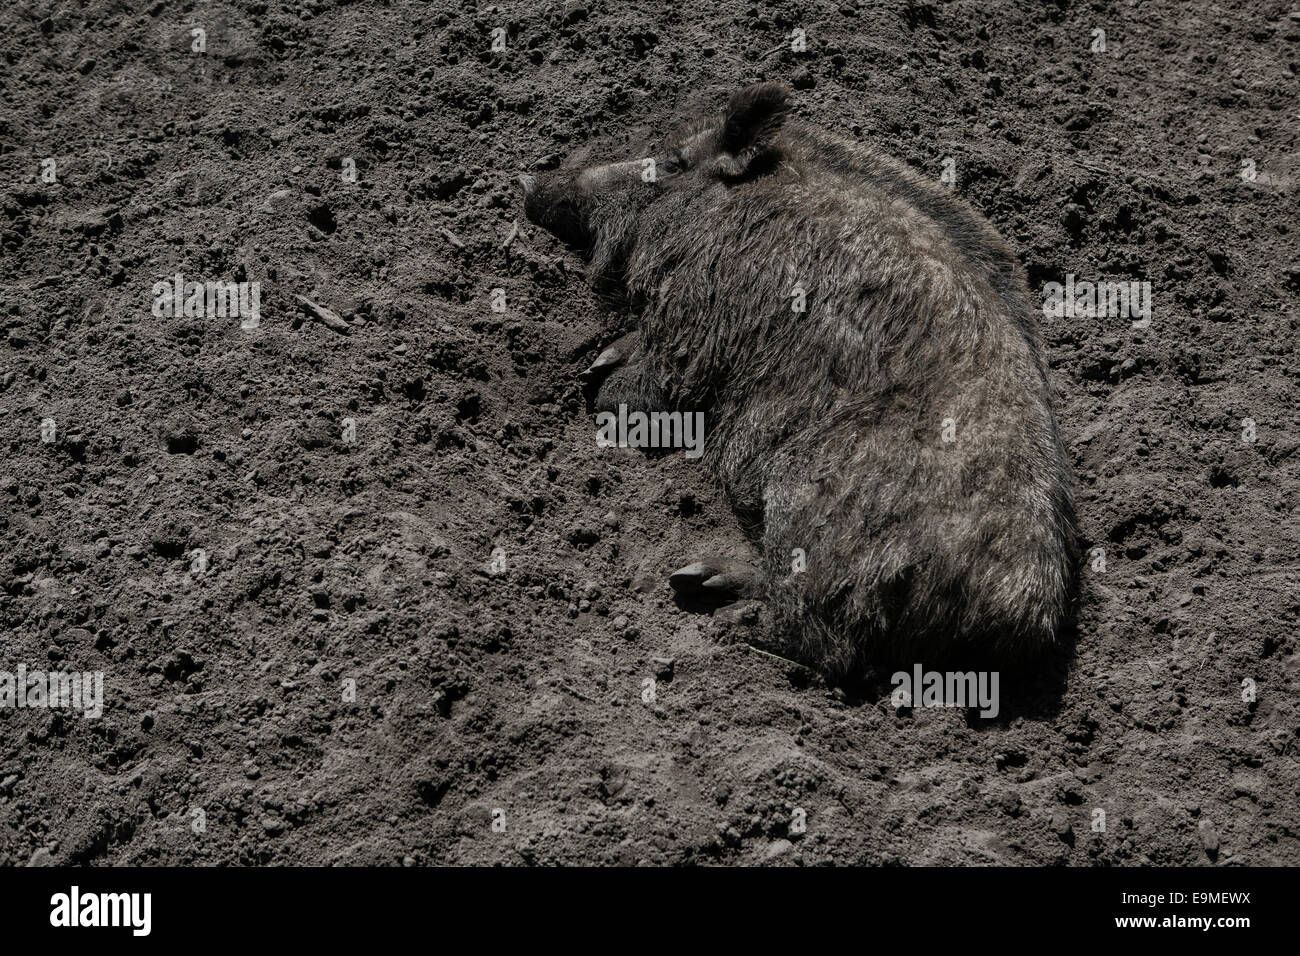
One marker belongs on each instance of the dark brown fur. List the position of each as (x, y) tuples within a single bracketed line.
[(827, 424)]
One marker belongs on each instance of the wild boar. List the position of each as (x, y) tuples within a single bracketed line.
[(865, 351)]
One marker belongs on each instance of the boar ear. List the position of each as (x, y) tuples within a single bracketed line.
[(753, 117)]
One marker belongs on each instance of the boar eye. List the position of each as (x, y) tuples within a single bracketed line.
[(674, 162)]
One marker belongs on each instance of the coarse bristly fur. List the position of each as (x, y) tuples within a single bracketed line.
[(896, 437)]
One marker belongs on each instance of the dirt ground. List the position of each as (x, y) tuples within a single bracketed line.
[(429, 644)]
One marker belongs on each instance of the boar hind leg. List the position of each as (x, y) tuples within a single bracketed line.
[(718, 580), (620, 375)]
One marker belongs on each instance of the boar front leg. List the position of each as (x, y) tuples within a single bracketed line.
[(621, 375)]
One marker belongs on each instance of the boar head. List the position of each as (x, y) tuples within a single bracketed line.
[(596, 209)]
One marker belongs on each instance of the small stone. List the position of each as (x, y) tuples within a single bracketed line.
[(1209, 837), (278, 199), (778, 848), (583, 536)]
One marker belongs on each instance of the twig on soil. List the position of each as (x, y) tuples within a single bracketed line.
[(576, 693), (775, 656), (326, 317), (451, 237), (514, 231)]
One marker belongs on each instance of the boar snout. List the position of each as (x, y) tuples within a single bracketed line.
[(555, 203), (598, 208)]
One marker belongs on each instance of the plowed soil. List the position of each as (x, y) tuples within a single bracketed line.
[(430, 644)]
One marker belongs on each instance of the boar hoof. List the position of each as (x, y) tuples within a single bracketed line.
[(607, 361), (716, 579), (741, 614)]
